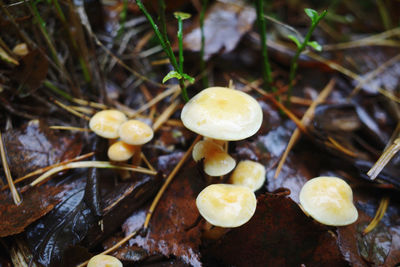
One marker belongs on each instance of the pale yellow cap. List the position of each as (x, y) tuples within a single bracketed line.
[(216, 161), (329, 200), (104, 261), (120, 151), (135, 132), (226, 205), (222, 113), (106, 123), (249, 173)]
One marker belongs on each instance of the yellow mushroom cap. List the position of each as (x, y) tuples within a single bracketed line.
[(216, 161), (106, 123), (249, 173), (120, 151), (135, 132), (329, 200), (104, 261), (226, 205), (222, 113)]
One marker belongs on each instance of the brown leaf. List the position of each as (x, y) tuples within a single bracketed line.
[(381, 246), (279, 234), (173, 229), (35, 146), (36, 203), (224, 25), (32, 71)]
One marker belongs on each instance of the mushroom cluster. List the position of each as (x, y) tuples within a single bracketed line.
[(113, 124), (329, 200), (222, 114)]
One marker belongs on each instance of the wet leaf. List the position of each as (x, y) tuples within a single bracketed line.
[(35, 146), (224, 25), (374, 247), (173, 229), (32, 70), (279, 234), (36, 203), (66, 225)]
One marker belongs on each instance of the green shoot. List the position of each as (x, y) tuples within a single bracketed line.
[(203, 41), (163, 39), (267, 76), (315, 18)]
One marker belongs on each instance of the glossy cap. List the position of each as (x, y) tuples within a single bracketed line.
[(120, 151), (249, 173), (104, 261), (135, 132), (106, 123), (226, 205), (329, 200), (216, 161), (222, 113)]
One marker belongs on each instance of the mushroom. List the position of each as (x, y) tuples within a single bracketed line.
[(216, 161), (249, 173), (226, 205), (104, 261), (135, 133), (222, 114), (329, 200), (120, 151), (106, 123)]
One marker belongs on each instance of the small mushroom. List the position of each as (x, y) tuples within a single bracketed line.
[(249, 173), (226, 205), (329, 200), (216, 161), (135, 133), (104, 261), (120, 151), (106, 123), (222, 114)]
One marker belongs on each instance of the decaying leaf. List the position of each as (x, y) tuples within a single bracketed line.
[(36, 203), (224, 25), (35, 146), (279, 234), (173, 229), (32, 70)]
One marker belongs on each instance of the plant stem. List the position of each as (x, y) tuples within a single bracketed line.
[(294, 61), (165, 45), (180, 43), (203, 41), (263, 34)]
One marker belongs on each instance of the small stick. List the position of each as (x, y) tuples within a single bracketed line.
[(307, 117), (90, 164), (69, 109), (69, 128), (42, 170), (384, 159), (383, 205), (14, 192), (111, 249), (167, 182), (165, 115)]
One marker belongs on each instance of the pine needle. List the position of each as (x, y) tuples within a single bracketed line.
[(91, 164), (384, 159), (378, 216)]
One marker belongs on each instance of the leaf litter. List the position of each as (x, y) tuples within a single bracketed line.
[(74, 216)]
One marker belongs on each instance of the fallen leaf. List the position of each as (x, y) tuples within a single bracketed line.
[(35, 146), (224, 25), (32, 71), (36, 203), (173, 229), (279, 234)]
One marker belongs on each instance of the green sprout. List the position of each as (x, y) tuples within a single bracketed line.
[(203, 41), (267, 77), (315, 19), (163, 40)]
